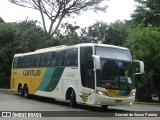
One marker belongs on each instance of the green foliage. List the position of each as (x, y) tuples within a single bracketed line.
[(117, 33), (144, 43), (67, 34), (53, 42), (15, 38), (7, 40), (97, 32), (30, 36), (114, 33), (148, 12)]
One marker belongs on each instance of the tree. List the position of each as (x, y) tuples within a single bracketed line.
[(144, 44), (147, 12), (68, 36), (16, 38), (1, 20), (114, 34), (117, 33), (7, 48), (98, 32), (57, 10), (30, 36), (54, 41)]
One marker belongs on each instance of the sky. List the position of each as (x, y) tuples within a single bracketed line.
[(117, 10)]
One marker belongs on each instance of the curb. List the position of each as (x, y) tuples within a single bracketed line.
[(6, 90), (147, 103), (3, 89)]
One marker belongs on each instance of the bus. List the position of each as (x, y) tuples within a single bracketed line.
[(88, 73)]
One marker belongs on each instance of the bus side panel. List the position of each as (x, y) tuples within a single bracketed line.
[(51, 85), (31, 77), (70, 80)]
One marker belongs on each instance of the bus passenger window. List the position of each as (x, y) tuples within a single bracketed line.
[(53, 59), (48, 62), (43, 60), (21, 62), (28, 61), (36, 60), (71, 57), (59, 58)]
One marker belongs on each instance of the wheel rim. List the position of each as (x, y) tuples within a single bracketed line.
[(104, 107)]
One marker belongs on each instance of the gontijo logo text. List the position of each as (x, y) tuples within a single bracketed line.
[(31, 73)]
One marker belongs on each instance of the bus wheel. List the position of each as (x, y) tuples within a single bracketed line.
[(25, 89), (20, 90), (104, 107), (72, 99)]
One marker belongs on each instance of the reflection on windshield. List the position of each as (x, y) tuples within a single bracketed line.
[(115, 74)]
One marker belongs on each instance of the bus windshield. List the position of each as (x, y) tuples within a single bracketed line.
[(116, 69)]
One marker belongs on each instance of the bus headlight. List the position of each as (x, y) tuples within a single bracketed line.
[(130, 103), (133, 94), (101, 92)]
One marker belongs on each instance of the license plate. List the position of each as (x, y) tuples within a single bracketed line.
[(118, 101)]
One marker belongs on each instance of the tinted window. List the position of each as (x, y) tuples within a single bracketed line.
[(115, 74), (58, 58), (113, 53), (28, 61), (71, 57), (36, 60), (45, 60), (86, 63), (21, 62), (53, 59)]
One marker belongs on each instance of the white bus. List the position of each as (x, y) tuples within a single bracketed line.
[(89, 73)]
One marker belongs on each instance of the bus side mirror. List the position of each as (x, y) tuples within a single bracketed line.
[(97, 63), (139, 67)]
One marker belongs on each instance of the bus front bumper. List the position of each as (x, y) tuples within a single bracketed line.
[(106, 100)]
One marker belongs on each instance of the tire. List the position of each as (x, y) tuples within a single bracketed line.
[(72, 102), (20, 90), (25, 91), (104, 107)]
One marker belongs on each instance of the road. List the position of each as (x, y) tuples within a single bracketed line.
[(10, 101)]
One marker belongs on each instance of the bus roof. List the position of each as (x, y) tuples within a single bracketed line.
[(103, 45), (63, 47), (50, 48)]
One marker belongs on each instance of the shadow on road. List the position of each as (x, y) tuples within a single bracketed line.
[(79, 106)]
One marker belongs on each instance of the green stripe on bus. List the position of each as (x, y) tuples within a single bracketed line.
[(46, 78), (55, 79), (51, 79)]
